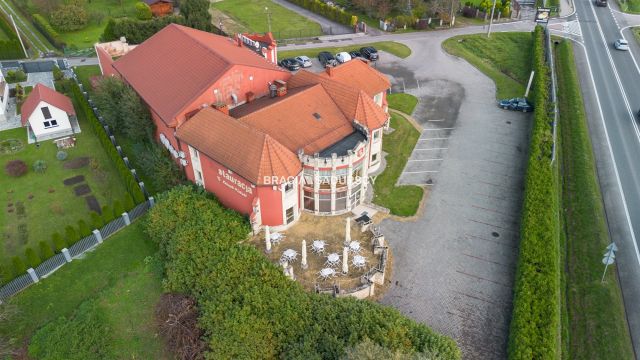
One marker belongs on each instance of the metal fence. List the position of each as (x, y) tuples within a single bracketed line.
[(85, 244)]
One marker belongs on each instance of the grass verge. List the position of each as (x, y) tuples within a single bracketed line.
[(253, 15), (85, 73), (118, 276), (597, 323), (402, 102), (505, 58), (400, 200), (392, 47)]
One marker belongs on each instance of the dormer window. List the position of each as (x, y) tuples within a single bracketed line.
[(45, 112)]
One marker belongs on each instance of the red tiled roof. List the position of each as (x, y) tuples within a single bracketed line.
[(49, 96), (249, 152), (177, 64), (105, 61), (306, 118), (359, 74), (355, 104)]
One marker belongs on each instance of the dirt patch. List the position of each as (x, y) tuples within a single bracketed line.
[(82, 190), (93, 204), (77, 163), (73, 180)]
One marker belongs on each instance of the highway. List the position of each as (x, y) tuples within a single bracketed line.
[(616, 78)]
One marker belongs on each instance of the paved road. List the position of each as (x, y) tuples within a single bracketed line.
[(616, 137)]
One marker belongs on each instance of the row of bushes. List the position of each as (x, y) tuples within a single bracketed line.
[(125, 172), (136, 31), (48, 31), (248, 309), (11, 48), (71, 236), (535, 323), (330, 12)]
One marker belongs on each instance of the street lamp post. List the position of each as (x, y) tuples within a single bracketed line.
[(266, 11), (493, 8)]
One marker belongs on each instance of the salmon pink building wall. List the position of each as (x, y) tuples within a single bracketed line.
[(271, 205)]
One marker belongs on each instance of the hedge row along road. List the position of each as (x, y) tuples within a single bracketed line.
[(535, 323)]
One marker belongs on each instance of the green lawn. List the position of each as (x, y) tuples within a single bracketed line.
[(505, 58), (596, 319), (52, 205), (400, 200), (85, 73), (86, 37), (630, 6), (3, 35), (392, 47), (402, 102), (284, 22), (120, 276)]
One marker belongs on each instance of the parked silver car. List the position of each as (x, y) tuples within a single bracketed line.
[(304, 61)]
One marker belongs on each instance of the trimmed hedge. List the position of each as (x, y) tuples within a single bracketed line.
[(125, 173), (48, 31), (137, 31), (249, 309), (9, 49), (330, 12), (535, 323)]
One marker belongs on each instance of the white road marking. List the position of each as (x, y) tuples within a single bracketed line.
[(606, 133)]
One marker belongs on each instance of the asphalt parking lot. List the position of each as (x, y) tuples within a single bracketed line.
[(454, 265)]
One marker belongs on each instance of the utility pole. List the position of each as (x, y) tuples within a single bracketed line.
[(19, 37), (493, 8), (266, 11)]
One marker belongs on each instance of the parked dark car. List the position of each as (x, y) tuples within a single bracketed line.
[(516, 104), (327, 59), (290, 64), (356, 54), (369, 53)]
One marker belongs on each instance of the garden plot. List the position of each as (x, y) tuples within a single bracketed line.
[(54, 193)]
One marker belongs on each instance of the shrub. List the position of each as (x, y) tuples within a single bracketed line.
[(45, 28), (83, 229), (58, 242), (155, 159), (128, 203), (16, 76), (535, 321), (40, 166), (137, 31), (330, 12), (69, 18), (16, 168), (19, 267), (71, 234), (32, 257), (61, 155), (117, 209), (107, 214), (45, 250), (143, 11), (9, 48), (96, 220), (248, 308), (57, 73)]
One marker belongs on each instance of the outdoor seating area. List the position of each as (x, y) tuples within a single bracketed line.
[(321, 251)]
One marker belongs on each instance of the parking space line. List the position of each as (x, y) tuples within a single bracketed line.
[(487, 260), (491, 225), (436, 120), (510, 216), (513, 247), (481, 278), (420, 172)]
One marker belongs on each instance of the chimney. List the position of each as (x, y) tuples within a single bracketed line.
[(222, 107)]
